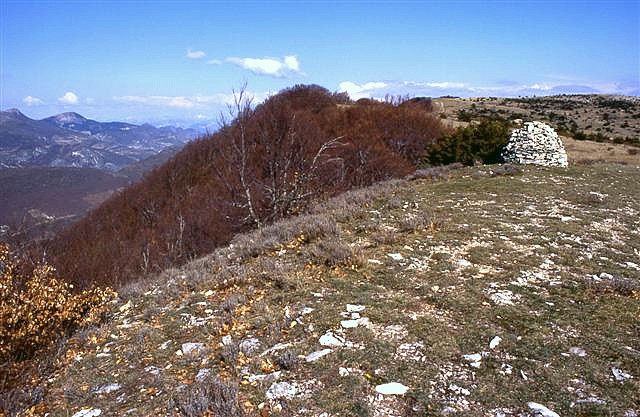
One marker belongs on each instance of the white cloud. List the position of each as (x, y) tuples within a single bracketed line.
[(189, 102), (380, 89), (68, 98), (195, 54), (32, 101), (446, 84), (214, 62), (358, 91), (274, 67), (168, 101), (291, 62)]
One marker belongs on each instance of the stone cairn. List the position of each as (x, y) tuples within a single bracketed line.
[(536, 143)]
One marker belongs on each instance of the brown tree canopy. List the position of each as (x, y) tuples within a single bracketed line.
[(267, 162)]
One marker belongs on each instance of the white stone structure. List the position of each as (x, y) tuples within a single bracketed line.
[(536, 143)]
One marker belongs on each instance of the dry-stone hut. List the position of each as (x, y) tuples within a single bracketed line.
[(536, 143)]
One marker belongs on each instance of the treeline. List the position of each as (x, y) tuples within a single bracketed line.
[(266, 162)]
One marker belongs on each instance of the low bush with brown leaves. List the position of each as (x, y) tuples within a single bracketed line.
[(36, 309)]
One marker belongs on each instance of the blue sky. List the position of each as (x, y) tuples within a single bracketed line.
[(167, 61)]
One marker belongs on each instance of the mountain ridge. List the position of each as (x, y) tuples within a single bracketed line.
[(72, 140)]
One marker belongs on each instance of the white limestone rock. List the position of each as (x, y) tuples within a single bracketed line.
[(495, 342), (192, 348), (541, 410), (280, 390), (331, 340), (392, 388), (89, 412), (314, 356), (620, 375), (250, 346), (535, 143), (106, 389)]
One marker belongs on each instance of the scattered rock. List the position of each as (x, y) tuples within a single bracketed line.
[(88, 412), (355, 308), (503, 297), (125, 307), (363, 321), (392, 388), (506, 369), (153, 370), (268, 377), (279, 390), (192, 348), (314, 356), (620, 375), (391, 333), (275, 348), (632, 265), (495, 342), (395, 256), (463, 263), (459, 390), (349, 324), (106, 389), (577, 351), (331, 340), (411, 351), (203, 374), (249, 346), (591, 400), (474, 359), (541, 410)]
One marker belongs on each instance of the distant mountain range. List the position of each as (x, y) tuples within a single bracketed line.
[(71, 140)]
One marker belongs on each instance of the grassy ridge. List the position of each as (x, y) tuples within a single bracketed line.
[(547, 260)]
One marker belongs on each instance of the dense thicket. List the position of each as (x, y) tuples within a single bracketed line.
[(267, 162), (481, 143)]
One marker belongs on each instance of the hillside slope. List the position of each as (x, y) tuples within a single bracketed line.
[(58, 191), (609, 117), (479, 293), (267, 162)]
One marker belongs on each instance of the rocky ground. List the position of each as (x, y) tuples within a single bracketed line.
[(609, 115), (480, 294)]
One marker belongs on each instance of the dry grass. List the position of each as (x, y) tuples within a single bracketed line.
[(595, 151), (512, 256)]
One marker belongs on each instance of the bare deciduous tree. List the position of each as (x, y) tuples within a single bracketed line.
[(273, 158)]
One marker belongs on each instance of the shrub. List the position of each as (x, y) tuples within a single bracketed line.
[(210, 396), (470, 145), (37, 309), (434, 173), (333, 252), (505, 170)]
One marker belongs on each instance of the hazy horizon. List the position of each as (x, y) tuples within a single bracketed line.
[(169, 61)]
